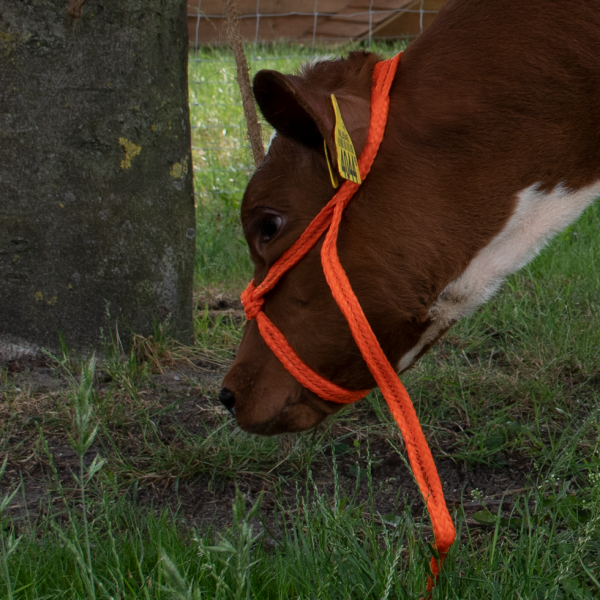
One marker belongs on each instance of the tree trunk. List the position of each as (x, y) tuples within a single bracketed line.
[(97, 220)]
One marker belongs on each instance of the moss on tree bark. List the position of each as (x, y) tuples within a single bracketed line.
[(96, 191)]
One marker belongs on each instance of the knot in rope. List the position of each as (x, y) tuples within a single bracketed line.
[(252, 301)]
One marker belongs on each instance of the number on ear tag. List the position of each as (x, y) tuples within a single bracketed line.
[(332, 174), (346, 155)]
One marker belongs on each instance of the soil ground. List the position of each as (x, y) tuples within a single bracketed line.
[(181, 399)]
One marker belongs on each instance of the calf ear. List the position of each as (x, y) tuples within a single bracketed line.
[(295, 110)]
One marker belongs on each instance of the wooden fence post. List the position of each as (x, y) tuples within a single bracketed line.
[(243, 79)]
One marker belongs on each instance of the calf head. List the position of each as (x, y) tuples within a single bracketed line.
[(284, 195)]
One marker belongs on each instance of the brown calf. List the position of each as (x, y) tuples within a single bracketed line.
[(492, 146)]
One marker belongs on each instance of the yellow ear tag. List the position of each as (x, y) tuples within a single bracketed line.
[(346, 155), (332, 174)]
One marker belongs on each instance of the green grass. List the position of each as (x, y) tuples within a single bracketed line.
[(115, 443), (326, 546)]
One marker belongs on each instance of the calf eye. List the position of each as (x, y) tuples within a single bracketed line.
[(269, 226)]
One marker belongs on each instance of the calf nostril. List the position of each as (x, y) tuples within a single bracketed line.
[(227, 398)]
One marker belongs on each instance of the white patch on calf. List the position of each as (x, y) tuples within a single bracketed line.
[(270, 142), (537, 217), (409, 358)]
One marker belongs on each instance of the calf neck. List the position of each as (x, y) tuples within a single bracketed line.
[(492, 145)]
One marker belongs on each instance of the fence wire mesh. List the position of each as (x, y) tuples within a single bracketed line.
[(312, 21)]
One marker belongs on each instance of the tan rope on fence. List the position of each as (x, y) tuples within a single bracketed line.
[(243, 79)]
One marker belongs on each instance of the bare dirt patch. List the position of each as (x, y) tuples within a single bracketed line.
[(154, 435)]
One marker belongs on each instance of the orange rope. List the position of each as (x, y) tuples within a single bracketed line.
[(395, 394)]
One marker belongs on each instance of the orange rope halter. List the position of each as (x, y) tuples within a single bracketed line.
[(393, 391)]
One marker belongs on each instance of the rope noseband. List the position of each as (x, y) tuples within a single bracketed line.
[(397, 398)]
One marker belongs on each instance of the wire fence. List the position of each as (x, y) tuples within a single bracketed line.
[(312, 21), (281, 39)]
